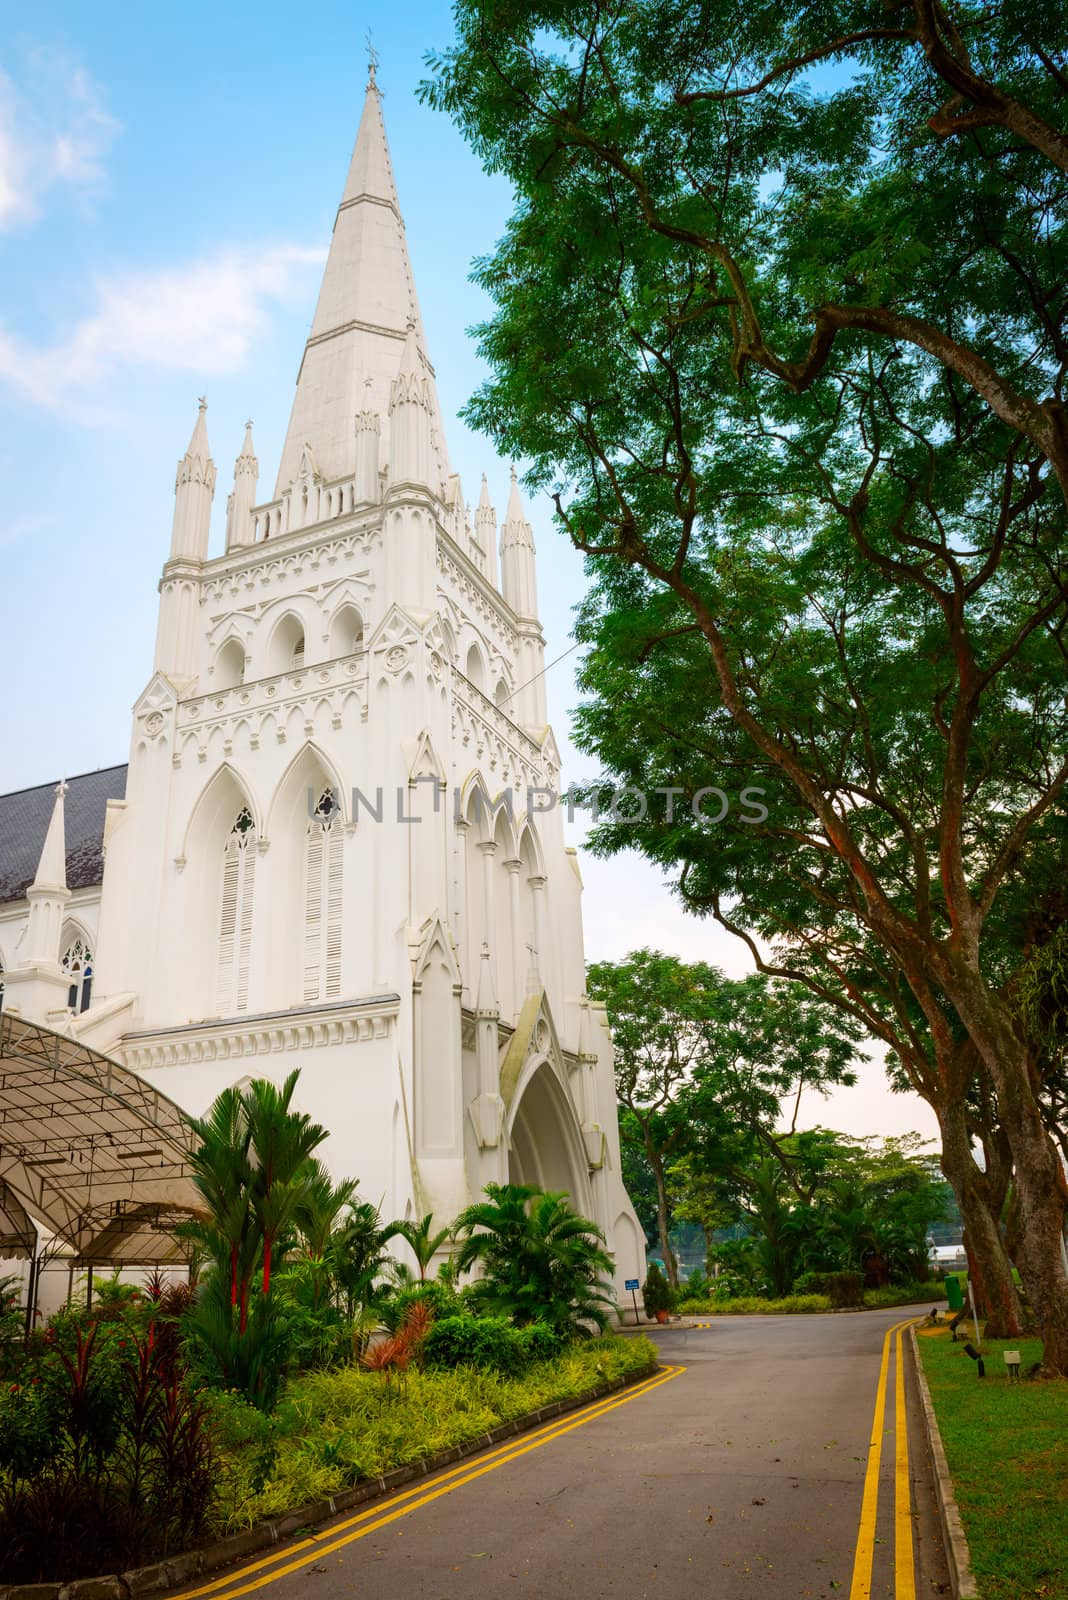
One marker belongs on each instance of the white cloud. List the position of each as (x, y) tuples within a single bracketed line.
[(200, 317), (54, 132)]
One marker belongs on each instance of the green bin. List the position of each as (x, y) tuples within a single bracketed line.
[(954, 1294)]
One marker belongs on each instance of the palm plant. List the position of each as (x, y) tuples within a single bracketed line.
[(222, 1172), (319, 1208), (541, 1261), (253, 1169), (358, 1253), (282, 1144), (424, 1243)]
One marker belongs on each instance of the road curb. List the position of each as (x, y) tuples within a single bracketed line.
[(180, 1569), (958, 1557)]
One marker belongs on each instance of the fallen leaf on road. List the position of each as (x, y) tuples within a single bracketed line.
[(760, 1502)]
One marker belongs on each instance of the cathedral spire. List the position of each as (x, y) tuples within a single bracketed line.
[(48, 893), (519, 583), (194, 489), (410, 418), (52, 867), (366, 301), (246, 471)]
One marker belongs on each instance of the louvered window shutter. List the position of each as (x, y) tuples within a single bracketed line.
[(313, 911), (333, 914), (227, 929), (322, 904), (235, 920), (244, 926)]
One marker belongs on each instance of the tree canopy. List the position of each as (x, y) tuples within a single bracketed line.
[(780, 320), (702, 1059)]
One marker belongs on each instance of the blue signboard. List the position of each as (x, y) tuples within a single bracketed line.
[(632, 1283)]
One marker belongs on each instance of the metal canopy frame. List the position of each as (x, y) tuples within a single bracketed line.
[(92, 1151)]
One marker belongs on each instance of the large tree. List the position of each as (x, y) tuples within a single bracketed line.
[(792, 352), (706, 1060)]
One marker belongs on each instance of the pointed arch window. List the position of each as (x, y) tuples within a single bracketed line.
[(322, 901), (235, 916), (78, 966)]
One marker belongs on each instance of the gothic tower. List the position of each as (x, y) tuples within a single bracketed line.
[(338, 847)]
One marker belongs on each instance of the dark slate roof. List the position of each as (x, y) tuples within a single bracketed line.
[(24, 818)]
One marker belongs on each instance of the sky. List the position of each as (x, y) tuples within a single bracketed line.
[(168, 181)]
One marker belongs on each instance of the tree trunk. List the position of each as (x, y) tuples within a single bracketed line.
[(984, 1243), (1040, 1181), (662, 1219)]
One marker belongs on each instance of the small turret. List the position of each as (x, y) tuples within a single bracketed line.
[(239, 530), (486, 533), (194, 489), (411, 444), (368, 428), (48, 893), (519, 583)]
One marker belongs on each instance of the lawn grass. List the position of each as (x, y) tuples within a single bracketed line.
[(335, 1427), (1007, 1449)]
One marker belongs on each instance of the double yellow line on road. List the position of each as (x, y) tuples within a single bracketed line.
[(904, 1560), (255, 1575)]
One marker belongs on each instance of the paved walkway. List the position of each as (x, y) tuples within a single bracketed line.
[(746, 1468)]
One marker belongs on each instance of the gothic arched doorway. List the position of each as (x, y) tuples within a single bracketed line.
[(545, 1141)]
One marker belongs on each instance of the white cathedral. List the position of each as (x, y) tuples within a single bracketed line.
[(334, 846)]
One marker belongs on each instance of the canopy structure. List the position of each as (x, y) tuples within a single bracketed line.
[(91, 1151), (18, 1236)]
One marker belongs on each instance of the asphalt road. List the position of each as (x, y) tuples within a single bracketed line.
[(741, 1475)]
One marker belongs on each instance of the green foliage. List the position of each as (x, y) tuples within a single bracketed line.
[(105, 1452), (541, 1261), (698, 1285), (844, 1289), (332, 1428), (787, 345), (757, 1305), (425, 1241), (359, 1257), (824, 1204), (252, 1353), (490, 1342), (703, 1061), (443, 1300), (656, 1291), (904, 1294), (1041, 992)]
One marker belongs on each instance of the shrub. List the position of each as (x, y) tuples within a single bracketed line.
[(442, 1299), (539, 1342), (105, 1452), (904, 1294), (698, 1285), (656, 1292), (810, 1283), (466, 1341), (748, 1304), (844, 1289), (541, 1261)]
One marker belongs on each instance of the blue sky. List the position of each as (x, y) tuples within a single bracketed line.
[(168, 182)]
